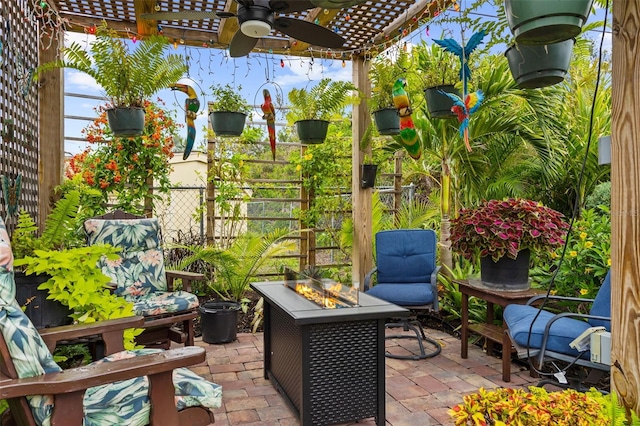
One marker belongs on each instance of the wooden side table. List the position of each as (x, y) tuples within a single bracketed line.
[(490, 331)]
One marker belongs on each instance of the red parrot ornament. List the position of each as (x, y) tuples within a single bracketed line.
[(270, 115)]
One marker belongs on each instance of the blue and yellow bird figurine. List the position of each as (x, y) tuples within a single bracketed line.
[(408, 136), (191, 108)]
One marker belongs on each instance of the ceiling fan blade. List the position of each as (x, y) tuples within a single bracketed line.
[(241, 44), (187, 15), (290, 6), (308, 32)]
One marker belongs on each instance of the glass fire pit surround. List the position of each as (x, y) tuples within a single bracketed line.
[(329, 364)]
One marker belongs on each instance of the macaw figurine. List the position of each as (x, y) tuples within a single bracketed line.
[(408, 135), (191, 108), (463, 52), (463, 109), (270, 115), (11, 191)]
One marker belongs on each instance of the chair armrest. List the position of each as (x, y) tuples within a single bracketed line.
[(68, 387), (110, 330), (367, 278), (186, 277), (563, 298)]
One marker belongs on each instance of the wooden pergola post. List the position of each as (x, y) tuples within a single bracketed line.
[(625, 204), (51, 128), (362, 256)]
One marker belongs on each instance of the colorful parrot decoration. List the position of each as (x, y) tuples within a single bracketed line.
[(191, 108), (408, 135), (270, 115), (470, 102)]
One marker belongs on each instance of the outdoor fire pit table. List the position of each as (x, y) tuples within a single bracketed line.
[(329, 364)]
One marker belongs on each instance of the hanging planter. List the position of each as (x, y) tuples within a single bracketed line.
[(387, 121), (126, 122), (312, 132), (368, 175), (227, 123), (539, 66), (506, 274), (545, 22), (439, 105)]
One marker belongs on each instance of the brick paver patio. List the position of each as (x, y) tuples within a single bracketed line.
[(418, 392)]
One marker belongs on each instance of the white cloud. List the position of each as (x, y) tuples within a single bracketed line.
[(303, 71), (76, 80)]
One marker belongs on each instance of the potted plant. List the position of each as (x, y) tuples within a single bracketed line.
[(501, 234), (441, 72), (228, 110), (234, 268), (383, 74), (546, 22), (536, 66), (311, 110), (128, 77)]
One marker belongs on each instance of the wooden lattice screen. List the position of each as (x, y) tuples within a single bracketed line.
[(18, 106)]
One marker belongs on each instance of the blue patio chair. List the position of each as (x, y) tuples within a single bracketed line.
[(134, 387), (406, 275), (553, 336), (140, 277)]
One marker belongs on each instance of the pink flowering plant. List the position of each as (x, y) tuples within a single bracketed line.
[(500, 228)]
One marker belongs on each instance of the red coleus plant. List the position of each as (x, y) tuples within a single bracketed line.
[(497, 228)]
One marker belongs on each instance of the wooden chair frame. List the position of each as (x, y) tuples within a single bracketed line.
[(68, 386)]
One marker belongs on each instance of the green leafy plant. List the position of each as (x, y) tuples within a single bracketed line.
[(507, 406), (127, 77), (321, 102), (78, 283), (436, 66), (236, 266), (227, 98), (383, 74), (500, 228), (58, 231), (587, 259)]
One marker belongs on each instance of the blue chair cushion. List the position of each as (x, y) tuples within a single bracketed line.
[(415, 294), (163, 303), (405, 255), (602, 304), (519, 318)]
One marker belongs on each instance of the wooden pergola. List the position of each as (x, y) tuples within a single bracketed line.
[(370, 25)]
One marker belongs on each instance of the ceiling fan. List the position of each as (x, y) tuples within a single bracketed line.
[(257, 18)]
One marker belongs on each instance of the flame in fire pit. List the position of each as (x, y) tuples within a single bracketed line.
[(327, 295)]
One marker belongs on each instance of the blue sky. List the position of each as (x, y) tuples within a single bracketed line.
[(252, 73)]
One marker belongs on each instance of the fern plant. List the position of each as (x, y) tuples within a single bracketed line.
[(383, 74), (127, 77), (323, 101), (58, 230)]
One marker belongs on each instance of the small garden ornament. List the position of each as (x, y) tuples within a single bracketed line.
[(408, 136), (270, 116), (470, 102), (191, 108)]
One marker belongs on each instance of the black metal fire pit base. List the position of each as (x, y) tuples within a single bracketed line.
[(328, 363)]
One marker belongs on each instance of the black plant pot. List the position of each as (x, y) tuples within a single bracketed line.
[(226, 123), (387, 121), (539, 66), (126, 122), (41, 311), (439, 105), (368, 175), (312, 132), (545, 22), (506, 274), (219, 321)]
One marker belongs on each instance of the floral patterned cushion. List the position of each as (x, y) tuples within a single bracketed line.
[(120, 403), (140, 268), (163, 303)]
